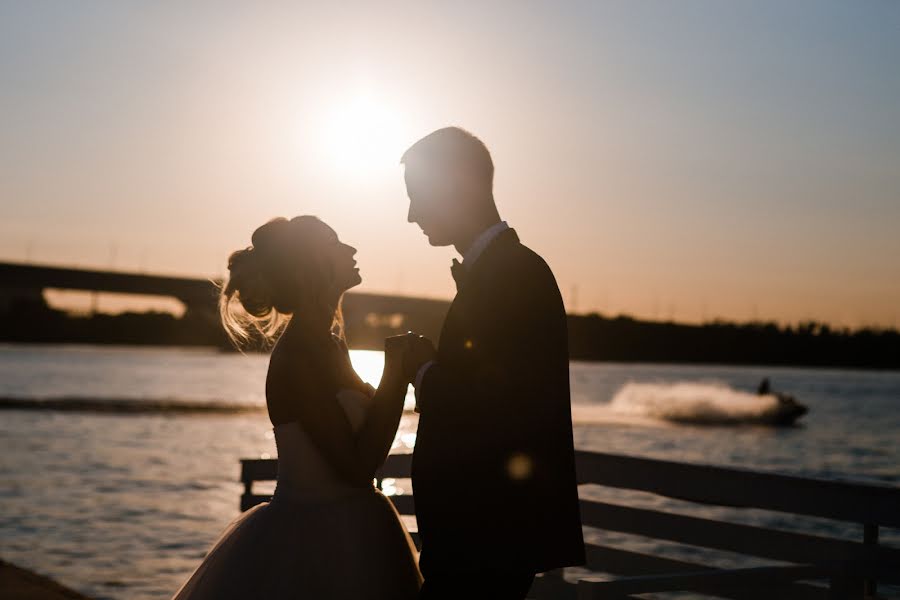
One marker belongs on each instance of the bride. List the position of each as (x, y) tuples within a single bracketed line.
[(328, 532)]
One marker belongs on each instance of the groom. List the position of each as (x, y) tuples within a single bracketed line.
[(493, 471)]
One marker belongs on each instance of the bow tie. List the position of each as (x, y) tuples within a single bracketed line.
[(459, 273)]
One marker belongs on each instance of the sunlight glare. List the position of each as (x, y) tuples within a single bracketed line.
[(369, 364), (363, 135)]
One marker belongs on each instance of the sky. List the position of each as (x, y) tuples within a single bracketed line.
[(670, 160)]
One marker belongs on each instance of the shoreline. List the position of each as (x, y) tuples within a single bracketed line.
[(17, 583), (675, 362)]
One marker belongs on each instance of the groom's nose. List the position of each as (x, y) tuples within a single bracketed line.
[(411, 216)]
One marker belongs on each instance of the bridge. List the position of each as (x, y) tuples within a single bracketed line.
[(25, 279), (376, 314)]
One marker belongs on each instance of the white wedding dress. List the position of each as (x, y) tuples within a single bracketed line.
[(318, 538)]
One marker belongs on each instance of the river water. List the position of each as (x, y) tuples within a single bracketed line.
[(123, 505)]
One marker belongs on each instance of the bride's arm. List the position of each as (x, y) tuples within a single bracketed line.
[(383, 418), (355, 456)]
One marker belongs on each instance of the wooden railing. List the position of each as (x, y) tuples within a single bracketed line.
[(809, 566)]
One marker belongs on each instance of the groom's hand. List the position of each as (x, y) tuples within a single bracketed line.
[(420, 351)]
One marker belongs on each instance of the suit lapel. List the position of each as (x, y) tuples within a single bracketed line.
[(489, 256), (471, 289)]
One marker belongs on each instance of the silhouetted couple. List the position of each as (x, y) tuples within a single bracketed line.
[(493, 470)]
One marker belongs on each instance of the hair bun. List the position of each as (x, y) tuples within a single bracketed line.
[(286, 268), (247, 279)]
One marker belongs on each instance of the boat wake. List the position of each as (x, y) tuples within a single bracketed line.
[(689, 402), (127, 406)]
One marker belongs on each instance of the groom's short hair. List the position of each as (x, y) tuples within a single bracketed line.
[(453, 147)]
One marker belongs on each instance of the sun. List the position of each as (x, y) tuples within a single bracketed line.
[(363, 135)]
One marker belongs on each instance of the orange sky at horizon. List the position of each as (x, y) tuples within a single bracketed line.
[(686, 162)]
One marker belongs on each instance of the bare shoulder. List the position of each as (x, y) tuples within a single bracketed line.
[(289, 365)]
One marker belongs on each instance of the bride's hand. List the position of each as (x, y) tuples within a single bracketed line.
[(396, 350)]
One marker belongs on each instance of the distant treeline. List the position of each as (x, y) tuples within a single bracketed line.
[(37, 324), (594, 337), (591, 337)]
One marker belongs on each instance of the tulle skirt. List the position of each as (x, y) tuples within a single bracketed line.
[(349, 547)]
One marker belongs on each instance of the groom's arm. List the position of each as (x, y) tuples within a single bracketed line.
[(517, 349), (417, 382)]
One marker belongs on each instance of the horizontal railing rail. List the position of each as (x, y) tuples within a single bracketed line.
[(731, 486), (851, 568)]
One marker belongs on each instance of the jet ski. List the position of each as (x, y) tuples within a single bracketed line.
[(785, 412)]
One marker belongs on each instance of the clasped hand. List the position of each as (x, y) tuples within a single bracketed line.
[(406, 353)]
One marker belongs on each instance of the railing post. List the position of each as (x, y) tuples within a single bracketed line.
[(870, 538), (248, 486), (245, 498)]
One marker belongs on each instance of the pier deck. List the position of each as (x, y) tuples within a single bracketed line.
[(17, 583)]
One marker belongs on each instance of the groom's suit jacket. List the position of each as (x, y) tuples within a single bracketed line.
[(493, 471)]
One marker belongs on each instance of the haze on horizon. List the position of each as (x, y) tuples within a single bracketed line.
[(687, 160)]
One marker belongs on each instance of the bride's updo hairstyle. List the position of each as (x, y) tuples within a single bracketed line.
[(284, 270)]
